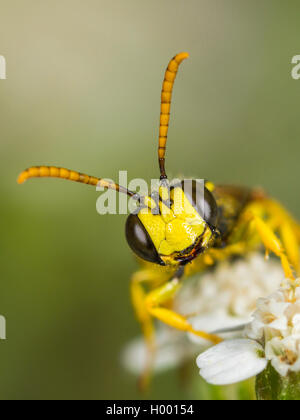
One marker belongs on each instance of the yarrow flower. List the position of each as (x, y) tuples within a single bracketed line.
[(232, 286), (222, 299), (226, 297), (272, 337), (172, 349)]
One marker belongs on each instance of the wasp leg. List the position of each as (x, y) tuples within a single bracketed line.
[(289, 231), (213, 255), (164, 294), (138, 296), (216, 254), (291, 245), (270, 241)]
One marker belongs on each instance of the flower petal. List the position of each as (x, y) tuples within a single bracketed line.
[(215, 322), (172, 349), (237, 328), (231, 361)]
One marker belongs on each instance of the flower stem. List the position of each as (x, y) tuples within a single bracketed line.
[(270, 386)]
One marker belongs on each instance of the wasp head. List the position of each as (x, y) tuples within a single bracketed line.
[(174, 227)]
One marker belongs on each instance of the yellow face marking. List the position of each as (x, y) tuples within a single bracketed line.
[(155, 226), (150, 203), (183, 209), (164, 193), (175, 229), (166, 213)]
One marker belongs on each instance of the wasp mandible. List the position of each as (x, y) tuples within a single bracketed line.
[(230, 221)]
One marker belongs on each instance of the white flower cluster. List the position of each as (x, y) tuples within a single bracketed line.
[(235, 287), (226, 297), (222, 299), (276, 326), (273, 336)]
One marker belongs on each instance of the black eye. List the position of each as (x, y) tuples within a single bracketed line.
[(205, 204), (139, 240)]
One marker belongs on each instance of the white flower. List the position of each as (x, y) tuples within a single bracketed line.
[(273, 336), (172, 349), (284, 354), (231, 361), (219, 323), (222, 299), (226, 297)]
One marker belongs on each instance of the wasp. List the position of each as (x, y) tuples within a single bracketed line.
[(223, 222)]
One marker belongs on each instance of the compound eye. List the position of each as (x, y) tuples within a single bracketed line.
[(210, 208), (205, 204), (139, 240)]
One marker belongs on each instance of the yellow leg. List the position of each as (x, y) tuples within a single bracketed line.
[(271, 241), (289, 231), (138, 297), (291, 245), (216, 254), (162, 295), (213, 255), (152, 276)]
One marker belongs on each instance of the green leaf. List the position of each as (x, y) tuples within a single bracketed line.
[(270, 386)]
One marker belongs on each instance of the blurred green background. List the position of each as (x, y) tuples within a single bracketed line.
[(83, 91)]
